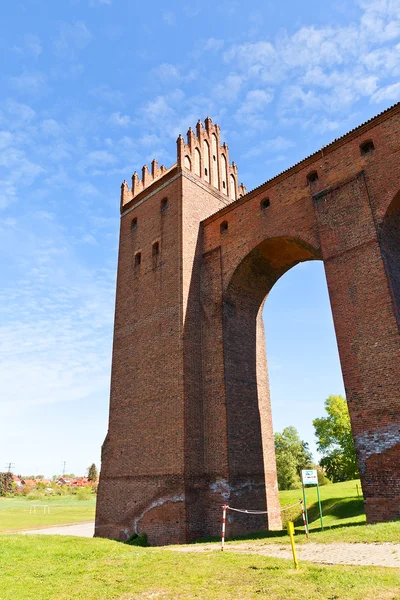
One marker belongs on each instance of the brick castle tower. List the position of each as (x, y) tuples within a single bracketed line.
[(158, 475), (190, 419)]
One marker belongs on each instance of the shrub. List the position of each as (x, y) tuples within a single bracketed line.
[(137, 540), (83, 493), (34, 496), (322, 478)]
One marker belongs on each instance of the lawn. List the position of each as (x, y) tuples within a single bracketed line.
[(17, 514), (65, 568)]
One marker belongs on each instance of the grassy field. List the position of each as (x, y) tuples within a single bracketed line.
[(342, 504), (61, 568), (17, 514)]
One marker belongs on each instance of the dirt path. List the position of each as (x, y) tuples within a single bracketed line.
[(78, 530), (378, 555)]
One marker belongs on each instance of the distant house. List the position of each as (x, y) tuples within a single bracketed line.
[(17, 480), (80, 482), (64, 481), (29, 482)]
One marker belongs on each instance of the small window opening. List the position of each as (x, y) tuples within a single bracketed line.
[(224, 184), (156, 249), (367, 147), (224, 226), (138, 259), (214, 157), (265, 203), (134, 224), (313, 176), (164, 204), (205, 172)]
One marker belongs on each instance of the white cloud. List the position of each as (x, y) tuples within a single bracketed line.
[(256, 100), (72, 37), (108, 94), (169, 18), (55, 322), (166, 73), (389, 92), (19, 112), (345, 62), (31, 46), (29, 82), (251, 113), (8, 193), (229, 88), (277, 144), (120, 120)]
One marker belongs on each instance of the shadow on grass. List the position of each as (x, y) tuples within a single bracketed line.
[(339, 508)]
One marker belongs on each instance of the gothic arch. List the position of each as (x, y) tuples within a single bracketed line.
[(390, 244)]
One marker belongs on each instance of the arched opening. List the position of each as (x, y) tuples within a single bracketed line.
[(215, 160), (390, 245), (224, 174), (232, 187), (197, 167), (248, 403), (303, 359), (206, 161)]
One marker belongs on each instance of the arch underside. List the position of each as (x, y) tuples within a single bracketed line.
[(390, 244), (249, 421)]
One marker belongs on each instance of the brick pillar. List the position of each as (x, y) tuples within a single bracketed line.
[(239, 446), (368, 339)]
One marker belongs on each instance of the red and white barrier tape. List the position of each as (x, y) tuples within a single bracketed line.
[(304, 518), (223, 526), (254, 512)]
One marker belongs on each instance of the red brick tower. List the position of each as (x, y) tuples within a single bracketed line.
[(159, 474), (190, 419)]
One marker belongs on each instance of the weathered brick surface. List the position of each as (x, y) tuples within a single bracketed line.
[(190, 417)]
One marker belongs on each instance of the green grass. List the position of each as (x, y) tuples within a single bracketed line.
[(17, 514), (64, 568)]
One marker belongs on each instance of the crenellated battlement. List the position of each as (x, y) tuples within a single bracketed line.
[(202, 155), (138, 185)]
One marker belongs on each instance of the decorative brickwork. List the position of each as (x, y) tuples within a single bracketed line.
[(190, 418)]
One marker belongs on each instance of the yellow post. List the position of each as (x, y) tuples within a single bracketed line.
[(290, 530)]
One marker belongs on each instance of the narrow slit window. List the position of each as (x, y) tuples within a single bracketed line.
[(313, 176), (138, 259), (134, 224), (265, 203), (224, 226), (156, 249), (164, 204), (367, 147)]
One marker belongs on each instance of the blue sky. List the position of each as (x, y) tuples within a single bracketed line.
[(93, 89)]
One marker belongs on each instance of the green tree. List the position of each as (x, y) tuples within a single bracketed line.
[(292, 455), (335, 440), (92, 473), (6, 481)]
